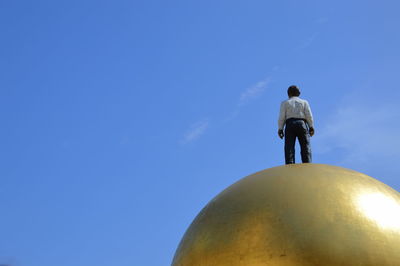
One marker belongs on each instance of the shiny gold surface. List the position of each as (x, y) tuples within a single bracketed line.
[(302, 214)]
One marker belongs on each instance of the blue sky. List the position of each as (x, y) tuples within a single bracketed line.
[(121, 119)]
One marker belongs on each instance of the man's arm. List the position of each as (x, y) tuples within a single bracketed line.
[(309, 118), (281, 120)]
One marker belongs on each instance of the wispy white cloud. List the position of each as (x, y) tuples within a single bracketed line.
[(364, 131), (307, 42), (322, 20), (253, 92), (250, 94), (195, 131), (125, 140)]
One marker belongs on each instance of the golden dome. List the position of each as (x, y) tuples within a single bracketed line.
[(301, 214)]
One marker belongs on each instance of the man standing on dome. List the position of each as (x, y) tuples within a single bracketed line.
[(295, 115)]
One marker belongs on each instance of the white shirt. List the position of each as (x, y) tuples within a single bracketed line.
[(295, 107)]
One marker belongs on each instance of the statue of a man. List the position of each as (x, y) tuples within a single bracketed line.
[(296, 117)]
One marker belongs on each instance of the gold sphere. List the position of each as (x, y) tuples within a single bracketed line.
[(297, 215)]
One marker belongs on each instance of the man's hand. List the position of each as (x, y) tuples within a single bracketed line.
[(312, 131), (280, 133)]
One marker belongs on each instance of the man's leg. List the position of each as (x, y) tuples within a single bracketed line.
[(304, 140), (290, 139)]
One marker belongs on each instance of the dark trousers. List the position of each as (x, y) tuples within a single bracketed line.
[(297, 128)]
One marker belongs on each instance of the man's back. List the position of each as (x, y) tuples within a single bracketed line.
[(295, 107)]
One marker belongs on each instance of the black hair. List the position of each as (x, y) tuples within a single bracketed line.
[(293, 91)]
